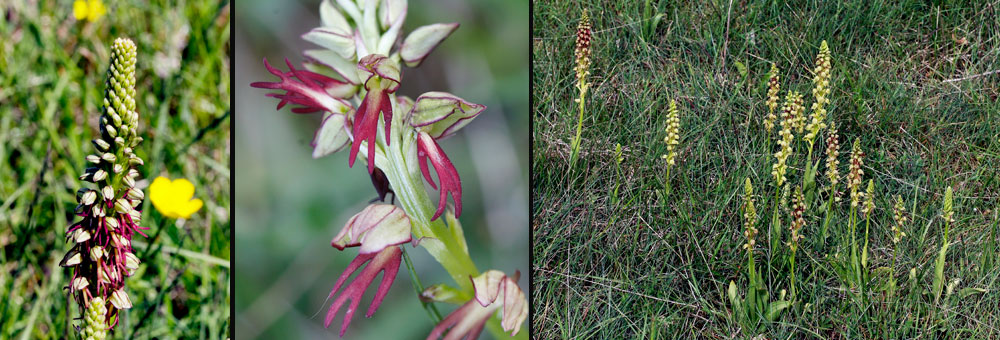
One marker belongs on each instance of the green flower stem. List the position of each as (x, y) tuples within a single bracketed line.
[(854, 246), (666, 184), (575, 152), (432, 310), (829, 211), (775, 228), (792, 287), (444, 242)]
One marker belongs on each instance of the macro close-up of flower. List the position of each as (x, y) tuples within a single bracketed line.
[(431, 196)]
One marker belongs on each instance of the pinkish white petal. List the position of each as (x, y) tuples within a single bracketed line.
[(332, 39), (332, 135), (422, 41), (344, 68), (376, 227)]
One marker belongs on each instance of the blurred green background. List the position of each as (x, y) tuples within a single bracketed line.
[(289, 206), (52, 72)]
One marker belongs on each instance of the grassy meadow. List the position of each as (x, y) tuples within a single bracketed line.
[(615, 256), (52, 79)]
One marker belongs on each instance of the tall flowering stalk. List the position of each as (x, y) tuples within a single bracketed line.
[(582, 68), (757, 304), (821, 89), (102, 255), (672, 140), (780, 167), (832, 174), (854, 185), (353, 82)]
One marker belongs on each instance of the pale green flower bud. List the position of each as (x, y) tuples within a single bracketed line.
[(108, 193), (81, 235), (96, 327), (100, 175), (96, 253), (80, 283), (72, 258), (120, 300), (122, 206), (131, 262)]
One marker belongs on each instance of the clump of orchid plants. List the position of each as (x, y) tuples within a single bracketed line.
[(102, 255), (353, 81)]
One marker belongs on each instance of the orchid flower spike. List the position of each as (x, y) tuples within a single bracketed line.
[(102, 255)]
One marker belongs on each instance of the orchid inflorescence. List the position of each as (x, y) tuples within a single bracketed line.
[(773, 86), (353, 82), (584, 35), (102, 255), (821, 82)]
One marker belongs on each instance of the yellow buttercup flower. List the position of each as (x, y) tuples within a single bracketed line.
[(89, 10), (174, 198)]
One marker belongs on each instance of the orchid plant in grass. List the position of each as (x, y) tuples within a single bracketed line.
[(353, 81)]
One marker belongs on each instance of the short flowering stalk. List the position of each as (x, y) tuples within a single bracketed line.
[(750, 229), (899, 216), (832, 174), (672, 140), (102, 255), (798, 221), (773, 86), (947, 213), (582, 68), (353, 82), (867, 209)]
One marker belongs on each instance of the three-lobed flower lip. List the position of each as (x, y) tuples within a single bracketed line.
[(387, 261), (427, 148), (314, 92), (366, 124)]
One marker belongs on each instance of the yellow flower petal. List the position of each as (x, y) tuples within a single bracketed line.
[(80, 9), (96, 9), (173, 199), (182, 189), (190, 207)]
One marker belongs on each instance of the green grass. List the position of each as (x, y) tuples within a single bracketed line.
[(52, 71), (910, 79)]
